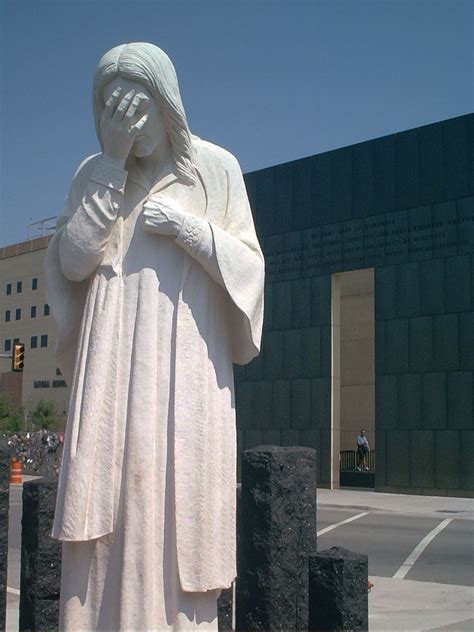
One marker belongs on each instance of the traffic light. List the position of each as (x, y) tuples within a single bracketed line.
[(18, 357)]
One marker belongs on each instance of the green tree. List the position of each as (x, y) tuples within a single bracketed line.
[(44, 415), (11, 414)]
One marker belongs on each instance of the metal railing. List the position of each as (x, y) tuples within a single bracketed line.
[(349, 460)]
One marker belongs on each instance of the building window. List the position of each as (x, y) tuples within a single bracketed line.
[(33, 342), (7, 316), (8, 345), (33, 311), (46, 309), (16, 341), (58, 372), (44, 340), (34, 284), (19, 287), (59, 384), (9, 288), (41, 384), (18, 314)]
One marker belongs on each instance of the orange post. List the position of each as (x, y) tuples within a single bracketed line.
[(15, 475)]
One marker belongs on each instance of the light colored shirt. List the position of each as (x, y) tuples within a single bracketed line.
[(361, 441)]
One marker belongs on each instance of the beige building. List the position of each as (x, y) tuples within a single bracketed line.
[(25, 317)]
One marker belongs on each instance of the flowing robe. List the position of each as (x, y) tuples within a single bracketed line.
[(148, 329)]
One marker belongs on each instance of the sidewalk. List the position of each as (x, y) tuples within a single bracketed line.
[(402, 604), (433, 506)]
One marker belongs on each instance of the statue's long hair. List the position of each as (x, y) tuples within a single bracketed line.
[(149, 65)]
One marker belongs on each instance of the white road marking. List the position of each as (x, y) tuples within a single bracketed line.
[(419, 548), (338, 524), (13, 591)]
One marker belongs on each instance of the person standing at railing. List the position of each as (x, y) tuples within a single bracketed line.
[(363, 449)]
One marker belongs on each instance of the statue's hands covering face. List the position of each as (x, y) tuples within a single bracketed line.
[(163, 215), (121, 122)]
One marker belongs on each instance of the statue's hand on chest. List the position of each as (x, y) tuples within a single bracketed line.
[(163, 215)]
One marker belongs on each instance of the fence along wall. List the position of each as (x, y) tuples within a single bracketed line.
[(404, 205)]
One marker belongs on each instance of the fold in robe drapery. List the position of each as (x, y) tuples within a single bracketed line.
[(204, 442)]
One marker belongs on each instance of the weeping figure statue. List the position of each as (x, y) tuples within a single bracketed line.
[(155, 279)]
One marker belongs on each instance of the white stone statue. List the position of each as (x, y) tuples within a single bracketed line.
[(155, 278)]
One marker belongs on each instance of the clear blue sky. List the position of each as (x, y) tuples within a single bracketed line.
[(271, 80)]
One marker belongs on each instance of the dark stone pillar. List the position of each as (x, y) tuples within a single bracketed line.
[(40, 558), (4, 505), (224, 610), (338, 594), (277, 533)]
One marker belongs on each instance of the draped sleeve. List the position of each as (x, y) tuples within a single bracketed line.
[(67, 297), (242, 267), (227, 247)]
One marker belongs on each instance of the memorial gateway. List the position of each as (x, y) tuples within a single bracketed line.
[(369, 308)]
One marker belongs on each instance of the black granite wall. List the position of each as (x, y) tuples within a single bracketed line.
[(404, 205)]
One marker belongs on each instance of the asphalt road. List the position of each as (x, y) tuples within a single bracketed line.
[(390, 538)]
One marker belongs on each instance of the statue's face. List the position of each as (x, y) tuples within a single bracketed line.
[(153, 133)]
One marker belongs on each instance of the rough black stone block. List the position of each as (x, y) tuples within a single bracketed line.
[(224, 610), (4, 505), (338, 590), (277, 533), (40, 558)]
